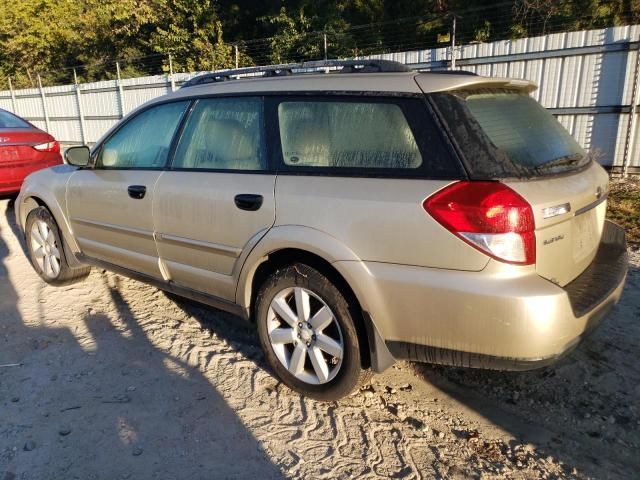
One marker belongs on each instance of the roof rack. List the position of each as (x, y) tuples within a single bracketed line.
[(327, 66), (453, 72)]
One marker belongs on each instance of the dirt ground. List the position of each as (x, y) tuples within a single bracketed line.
[(112, 379)]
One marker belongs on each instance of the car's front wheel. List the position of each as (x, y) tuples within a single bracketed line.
[(307, 332), (46, 250)]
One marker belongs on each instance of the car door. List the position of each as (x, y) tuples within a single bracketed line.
[(217, 199), (110, 205)]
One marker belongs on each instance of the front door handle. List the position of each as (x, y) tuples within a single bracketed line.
[(137, 191), (248, 201)]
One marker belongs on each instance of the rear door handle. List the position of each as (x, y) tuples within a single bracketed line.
[(137, 191), (248, 201)]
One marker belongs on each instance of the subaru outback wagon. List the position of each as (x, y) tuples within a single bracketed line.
[(357, 216)]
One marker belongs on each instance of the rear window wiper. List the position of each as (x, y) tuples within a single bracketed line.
[(566, 161)]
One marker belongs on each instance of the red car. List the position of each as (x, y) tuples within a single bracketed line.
[(24, 149)]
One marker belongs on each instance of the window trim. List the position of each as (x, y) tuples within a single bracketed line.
[(265, 137), (119, 126), (402, 101), (272, 134)]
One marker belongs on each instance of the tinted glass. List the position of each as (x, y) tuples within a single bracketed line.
[(502, 133), (522, 128), (8, 120), (223, 134), (337, 134), (144, 141)]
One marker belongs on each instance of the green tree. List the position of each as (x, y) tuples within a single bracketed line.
[(192, 32)]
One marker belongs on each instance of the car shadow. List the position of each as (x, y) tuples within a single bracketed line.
[(240, 334), (10, 213), (547, 409), (570, 411), (86, 394)]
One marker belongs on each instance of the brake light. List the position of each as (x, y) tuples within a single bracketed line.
[(48, 147), (488, 216)]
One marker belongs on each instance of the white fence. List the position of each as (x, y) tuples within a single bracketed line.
[(588, 79)]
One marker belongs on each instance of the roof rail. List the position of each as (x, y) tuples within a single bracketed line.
[(319, 66), (451, 72), (360, 66)]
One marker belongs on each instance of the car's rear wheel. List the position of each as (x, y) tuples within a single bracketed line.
[(46, 250), (307, 332)]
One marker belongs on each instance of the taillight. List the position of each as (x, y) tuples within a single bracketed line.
[(48, 147), (488, 216)]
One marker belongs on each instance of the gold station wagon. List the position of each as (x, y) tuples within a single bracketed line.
[(357, 212)]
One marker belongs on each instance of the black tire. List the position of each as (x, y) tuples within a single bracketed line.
[(66, 274), (350, 373)]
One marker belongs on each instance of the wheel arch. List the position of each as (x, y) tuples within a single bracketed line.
[(290, 244), (30, 203), (288, 256)]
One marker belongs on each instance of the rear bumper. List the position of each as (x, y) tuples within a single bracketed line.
[(493, 320)]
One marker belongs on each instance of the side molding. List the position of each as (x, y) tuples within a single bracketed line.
[(210, 300)]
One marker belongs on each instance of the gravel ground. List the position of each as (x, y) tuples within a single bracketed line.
[(115, 379)]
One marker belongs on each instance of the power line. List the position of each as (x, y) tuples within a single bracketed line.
[(483, 23)]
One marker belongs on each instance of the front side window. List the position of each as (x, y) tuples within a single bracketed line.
[(346, 134), (223, 134), (144, 141)]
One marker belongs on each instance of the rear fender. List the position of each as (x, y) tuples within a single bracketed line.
[(339, 256)]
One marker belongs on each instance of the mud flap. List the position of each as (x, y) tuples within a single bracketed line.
[(381, 358)]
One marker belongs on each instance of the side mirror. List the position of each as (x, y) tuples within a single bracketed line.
[(77, 156)]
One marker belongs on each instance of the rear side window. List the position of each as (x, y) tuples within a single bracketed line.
[(223, 134), (346, 135), (357, 135), (8, 120)]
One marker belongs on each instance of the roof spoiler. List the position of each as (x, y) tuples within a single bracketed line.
[(443, 83)]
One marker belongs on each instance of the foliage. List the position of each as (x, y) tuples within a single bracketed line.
[(49, 37), (624, 208)]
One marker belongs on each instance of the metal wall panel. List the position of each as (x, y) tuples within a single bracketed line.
[(596, 84), (100, 103)]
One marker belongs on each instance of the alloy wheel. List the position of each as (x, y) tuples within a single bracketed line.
[(305, 335), (45, 249)]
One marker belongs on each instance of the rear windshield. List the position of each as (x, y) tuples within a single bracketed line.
[(508, 134), (8, 120)]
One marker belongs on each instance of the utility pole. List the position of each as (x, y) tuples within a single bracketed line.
[(83, 126), (235, 47), (324, 35), (171, 79), (44, 105), (453, 42), (120, 90), (632, 128), (13, 97)]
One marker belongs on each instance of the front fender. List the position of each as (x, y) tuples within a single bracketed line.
[(48, 187)]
